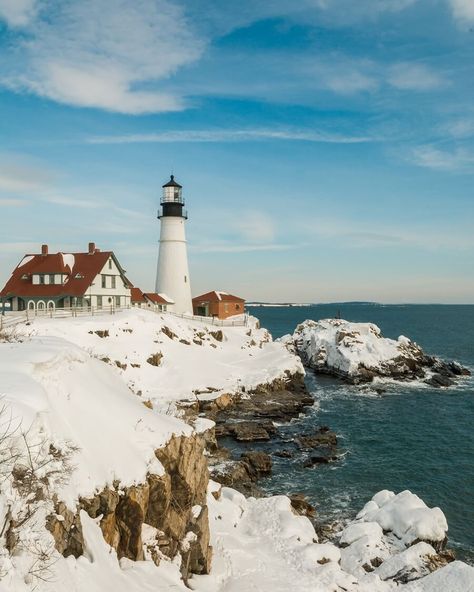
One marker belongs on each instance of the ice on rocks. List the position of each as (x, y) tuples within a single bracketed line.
[(409, 564), (408, 517), (353, 532)]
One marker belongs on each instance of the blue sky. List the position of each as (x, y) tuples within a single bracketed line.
[(326, 147)]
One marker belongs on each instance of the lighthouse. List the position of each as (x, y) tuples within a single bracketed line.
[(172, 276)]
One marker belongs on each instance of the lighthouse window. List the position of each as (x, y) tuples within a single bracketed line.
[(185, 279)]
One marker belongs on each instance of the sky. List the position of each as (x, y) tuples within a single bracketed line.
[(325, 147)]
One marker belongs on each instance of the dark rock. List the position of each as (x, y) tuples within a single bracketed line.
[(438, 381), (301, 505), (284, 453), (155, 359), (318, 460), (260, 463), (323, 437)]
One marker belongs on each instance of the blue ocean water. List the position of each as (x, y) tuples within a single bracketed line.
[(410, 437)]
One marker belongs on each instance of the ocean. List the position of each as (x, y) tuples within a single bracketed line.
[(410, 437)]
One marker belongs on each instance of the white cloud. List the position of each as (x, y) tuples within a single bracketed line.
[(225, 135), (17, 13), (11, 202), (412, 76), (460, 128), (255, 226), (431, 157), (242, 248), (109, 54), (18, 176), (463, 10), (350, 82)]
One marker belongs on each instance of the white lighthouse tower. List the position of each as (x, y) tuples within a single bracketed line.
[(172, 277)]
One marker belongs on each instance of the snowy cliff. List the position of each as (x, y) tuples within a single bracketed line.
[(101, 492), (358, 352)]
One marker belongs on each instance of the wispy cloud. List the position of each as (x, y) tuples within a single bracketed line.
[(463, 10), (12, 202), (237, 135), (242, 248), (109, 54), (17, 175), (458, 159), (413, 76), (17, 13)]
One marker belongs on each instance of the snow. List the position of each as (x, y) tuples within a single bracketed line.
[(59, 391), (345, 346), (56, 392), (407, 516), (245, 358), (220, 294), (455, 577), (25, 260), (68, 260)]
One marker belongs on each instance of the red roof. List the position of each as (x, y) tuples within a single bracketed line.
[(137, 295), (85, 267), (158, 298), (216, 296)]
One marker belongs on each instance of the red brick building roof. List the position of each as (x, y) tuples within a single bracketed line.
[(216, 296), (137, 296), (80, 269), (158, 298)]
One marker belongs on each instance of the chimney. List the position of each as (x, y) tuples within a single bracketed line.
[(44, 250), (91, 248)]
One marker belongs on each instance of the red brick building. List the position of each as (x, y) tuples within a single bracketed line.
[(218, 304)]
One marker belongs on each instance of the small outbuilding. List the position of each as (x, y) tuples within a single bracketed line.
[(159, 302), (218, 304)]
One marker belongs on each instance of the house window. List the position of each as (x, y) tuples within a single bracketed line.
[(41, 279), (51, 278), (104, 281), (113, 282), (117, 300), (99, 301), (237, 306), (110, 263)]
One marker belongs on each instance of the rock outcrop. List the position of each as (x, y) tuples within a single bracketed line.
[(172, 506), (358, 353)]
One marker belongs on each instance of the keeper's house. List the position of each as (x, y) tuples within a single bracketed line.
[(218, 304), (63, 280)]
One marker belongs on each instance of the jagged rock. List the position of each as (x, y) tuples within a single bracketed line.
[(358, 353), (155, 359), (167, 331), (301, 505), (284, 453), (323, 437), (318, 460), (260, 463), (218, 335), (164, 502), (246, 431)]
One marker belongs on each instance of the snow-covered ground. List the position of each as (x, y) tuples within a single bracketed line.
[(197, 360), (65, 405)]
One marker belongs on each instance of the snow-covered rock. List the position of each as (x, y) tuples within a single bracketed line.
[(358, 352), (192, 360), (407, 516)]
